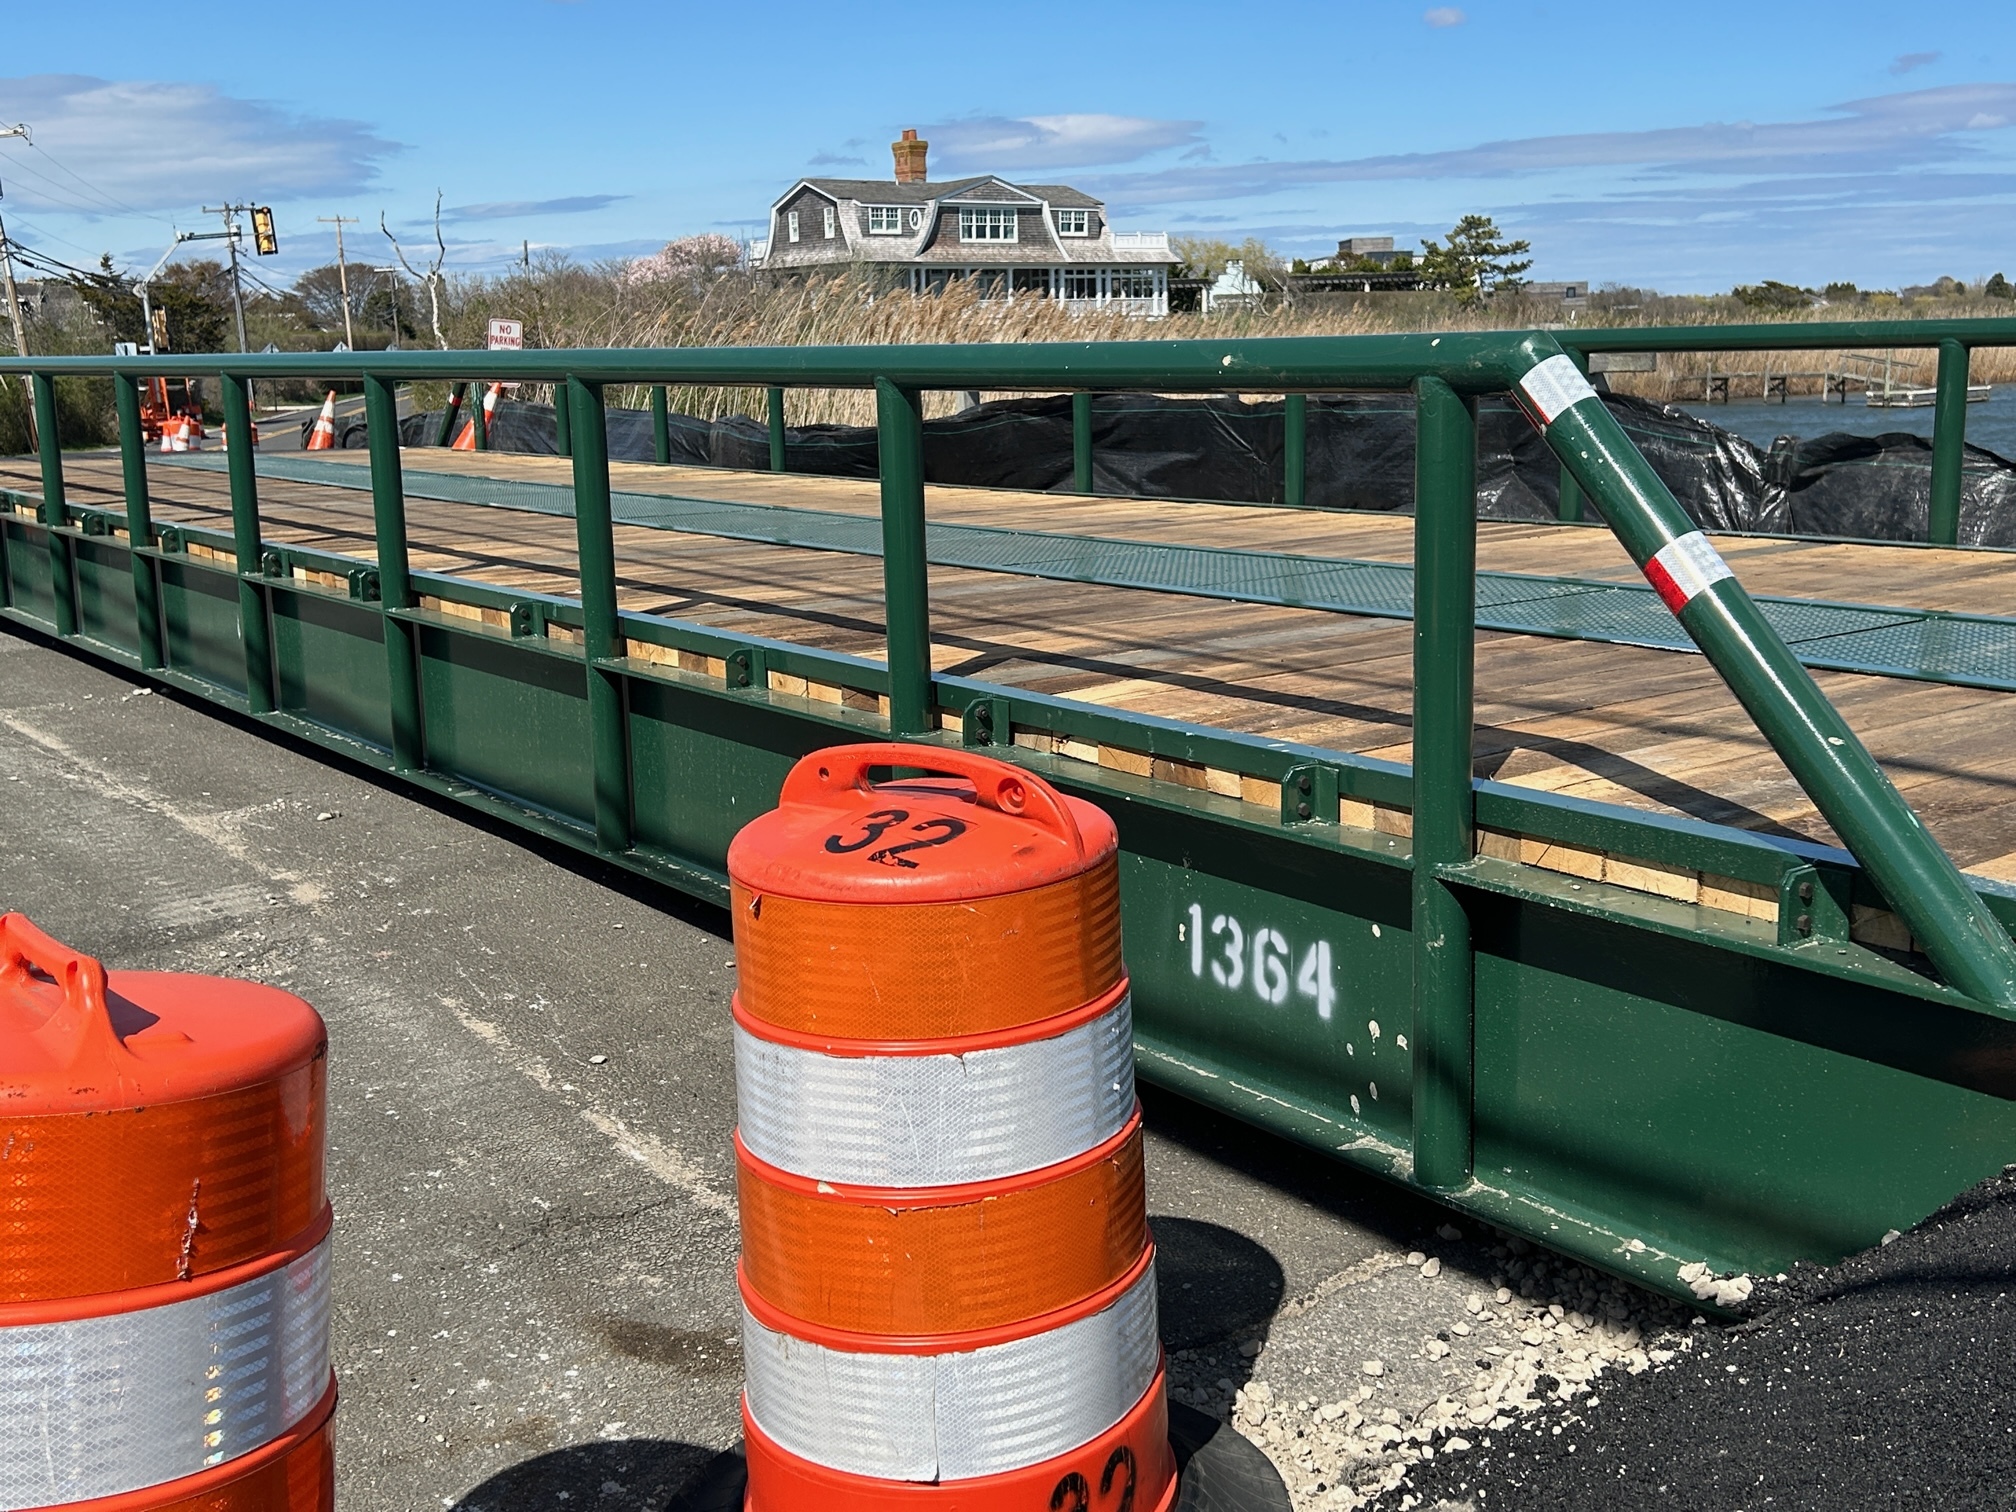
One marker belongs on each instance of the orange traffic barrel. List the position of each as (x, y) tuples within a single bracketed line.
[(947, 1279), (164, 1240)]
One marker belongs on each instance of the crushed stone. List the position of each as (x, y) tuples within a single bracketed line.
[(1887, 1381), (1499, 1328)]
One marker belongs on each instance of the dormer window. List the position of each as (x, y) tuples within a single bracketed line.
[(1074, 223), (830, 222), (978, 225), (887, 220), (791, 225)]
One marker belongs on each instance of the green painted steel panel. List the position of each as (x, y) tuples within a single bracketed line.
[(709, 765), (28, 569), (330, 658), (199, 610), (1723, 1103), (507, 718), (105, 592), (1274, 960)]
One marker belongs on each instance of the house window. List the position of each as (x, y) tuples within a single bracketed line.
[(1074, 223), (986, 225), (1081, 283), (791, 225), (1133, 283), (829, 222), (885, 220)]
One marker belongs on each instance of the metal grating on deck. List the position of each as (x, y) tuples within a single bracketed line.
[(1925, 645)]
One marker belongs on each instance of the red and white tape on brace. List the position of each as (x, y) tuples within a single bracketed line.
[(1551, 389), (1685, 567)]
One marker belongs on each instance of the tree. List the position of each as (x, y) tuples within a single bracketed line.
[(1773, 295), (320, 291), (1207, 257), (1998, 287), (1840, 293), (695, 259), (431, 279), (1474, 260)]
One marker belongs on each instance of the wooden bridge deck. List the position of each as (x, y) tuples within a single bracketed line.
[(1648, 729)]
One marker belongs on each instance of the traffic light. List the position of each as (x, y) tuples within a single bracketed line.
[(263, 239)]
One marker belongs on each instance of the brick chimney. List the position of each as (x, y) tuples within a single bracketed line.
[(909, 153)]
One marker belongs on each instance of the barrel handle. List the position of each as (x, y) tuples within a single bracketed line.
[(81, 977), (826, 776)]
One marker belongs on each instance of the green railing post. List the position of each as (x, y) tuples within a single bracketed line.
[(1445, 593), (253, 625), (661, 426), (906, 590), (395, 583), (139, 520), (1294, 450), (479, 413), (55, 514), (776, 408), (445, 435), (1568, 508), (608, 737), (563, 428), (1949, 444), (1920, 881), (1081, 443)]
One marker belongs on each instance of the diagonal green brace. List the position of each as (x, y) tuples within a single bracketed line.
[(1919, 880)]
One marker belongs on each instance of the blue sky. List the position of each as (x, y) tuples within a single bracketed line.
[(1681, 147)]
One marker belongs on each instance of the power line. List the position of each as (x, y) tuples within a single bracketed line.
[(66, 198), (109, 199), (43, 231)]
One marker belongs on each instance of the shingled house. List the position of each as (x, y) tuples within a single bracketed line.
[(1044, 240)]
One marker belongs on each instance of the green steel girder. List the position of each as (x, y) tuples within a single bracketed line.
[(1634, 1080)]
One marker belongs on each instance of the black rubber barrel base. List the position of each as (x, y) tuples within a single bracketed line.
[(1221, 1472)]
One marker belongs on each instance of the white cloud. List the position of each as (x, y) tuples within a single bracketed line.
[(519, 209), (1000, 144), (1444, 15), (152, 145), (1885, 134)]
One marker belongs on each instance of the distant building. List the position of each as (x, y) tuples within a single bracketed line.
[(1233, 289), (1573, 292), (1049, 241), (1361, 249)]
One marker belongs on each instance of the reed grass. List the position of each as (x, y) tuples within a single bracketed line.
[(565, 304)]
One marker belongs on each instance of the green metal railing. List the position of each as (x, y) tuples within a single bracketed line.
[(671, 761), (1952, 341)]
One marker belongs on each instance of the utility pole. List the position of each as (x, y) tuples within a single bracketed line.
[(13, 297), (342, 272), (230, 238)]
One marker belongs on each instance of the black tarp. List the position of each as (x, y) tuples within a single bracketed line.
[(1359, 455), (1879, 488)]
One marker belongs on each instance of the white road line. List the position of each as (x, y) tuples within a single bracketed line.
[(669, 1165), (219, 829)]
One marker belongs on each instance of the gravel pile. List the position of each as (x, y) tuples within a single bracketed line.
[(1886, 1381), (1471, 1347)]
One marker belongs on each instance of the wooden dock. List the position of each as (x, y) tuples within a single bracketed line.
[(1647, 729)]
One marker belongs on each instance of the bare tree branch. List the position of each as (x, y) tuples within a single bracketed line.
[(432, 277)]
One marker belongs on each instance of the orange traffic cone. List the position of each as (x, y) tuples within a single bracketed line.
[(468, 440), (323, 436)]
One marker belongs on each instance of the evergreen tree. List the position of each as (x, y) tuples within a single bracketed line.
[(1474, 260)]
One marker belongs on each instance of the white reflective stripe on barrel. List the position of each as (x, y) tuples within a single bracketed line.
[(952, 1416), (936, 1120), (100, 1406)]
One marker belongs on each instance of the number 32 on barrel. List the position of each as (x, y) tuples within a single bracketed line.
[(1238, 958)]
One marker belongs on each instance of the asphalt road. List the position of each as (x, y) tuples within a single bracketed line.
[(531, 1099)]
